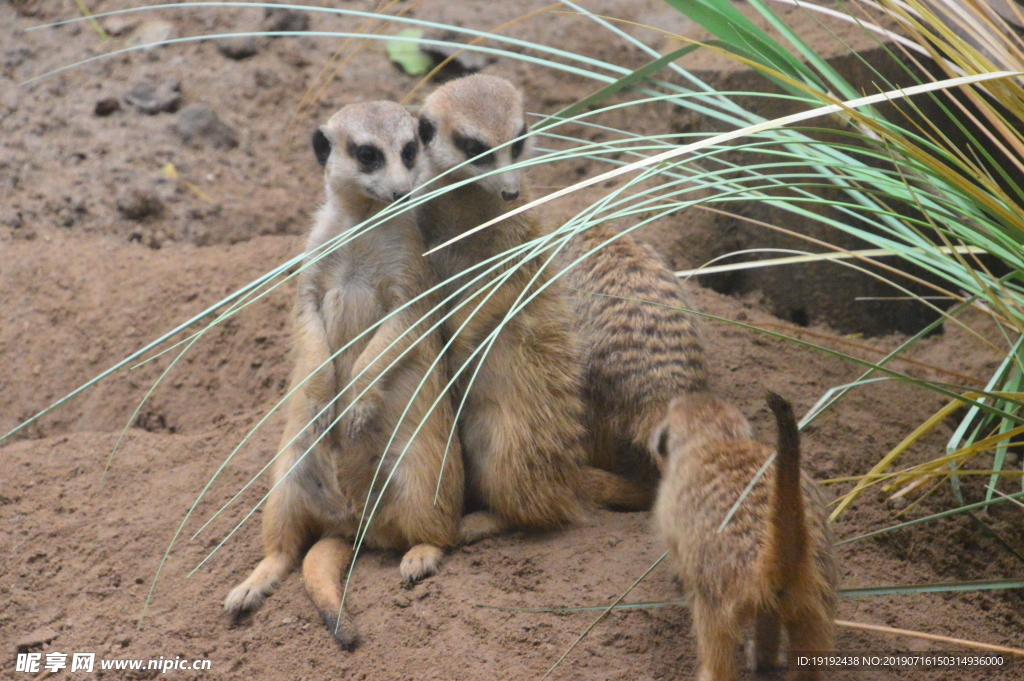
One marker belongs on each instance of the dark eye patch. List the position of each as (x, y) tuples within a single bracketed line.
[(321, 147), (409, 154), (368, 156), (517, 146), (427, 129), (473, 149)]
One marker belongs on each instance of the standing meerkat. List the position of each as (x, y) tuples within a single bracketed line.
[(639, 349), (369, 153), (772, 564), (522, 423)]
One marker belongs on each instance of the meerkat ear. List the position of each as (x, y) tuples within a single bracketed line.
[(427, 130), (321, 147)]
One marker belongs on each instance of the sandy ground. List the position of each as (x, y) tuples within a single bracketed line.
[(102, 253)]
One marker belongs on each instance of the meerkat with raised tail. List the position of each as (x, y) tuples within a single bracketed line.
[(640, 348), (369, 152), (772, 564), (522, 422)]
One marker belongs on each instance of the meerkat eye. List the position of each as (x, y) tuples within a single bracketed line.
[(321, 147), (474, 149), (369, 157), (517, 146), (409, 154)]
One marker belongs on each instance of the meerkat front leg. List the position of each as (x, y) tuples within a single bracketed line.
[(314, 366), (368, 372)]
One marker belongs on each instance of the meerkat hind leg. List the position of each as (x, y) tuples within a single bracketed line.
[(763, 650), (717, 641), (809, 634), (250, 594), (480, 525), (420, 562), (612, 490)]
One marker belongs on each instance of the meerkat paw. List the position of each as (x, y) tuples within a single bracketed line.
[(361, 413), (420, 562), (245, 598), (251, 593), (479, 525)]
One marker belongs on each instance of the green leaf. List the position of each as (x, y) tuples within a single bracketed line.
[(407, 54)]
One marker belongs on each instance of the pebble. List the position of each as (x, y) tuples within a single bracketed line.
[(118, 26), (138, 204), (154, 32), (402, 601), (36, 638), (897, 503), (200, 122), (107, 106), (152, 96), (238, 48), (286, 20)]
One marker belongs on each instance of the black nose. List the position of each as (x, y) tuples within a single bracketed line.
[(397, 195), (509, 196)]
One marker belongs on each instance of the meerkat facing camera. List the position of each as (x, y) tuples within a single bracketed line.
[(521, 425), (369, 152), (640, 348), (773, 564)]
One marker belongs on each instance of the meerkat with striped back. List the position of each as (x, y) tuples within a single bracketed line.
[(772, 564), (370, 154), (640, 348)]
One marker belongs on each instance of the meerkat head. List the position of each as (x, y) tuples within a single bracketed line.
[(695, 419), (371, 147), (465, 120)]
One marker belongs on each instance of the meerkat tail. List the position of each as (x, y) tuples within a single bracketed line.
[(787, 515), (612, 490), (321, 570)]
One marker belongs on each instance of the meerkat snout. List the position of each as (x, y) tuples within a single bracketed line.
[(478, 124), (371, 148)]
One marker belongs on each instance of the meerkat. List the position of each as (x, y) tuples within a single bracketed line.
[(369, 152), (521, 425), (640, 348), (772, 564)]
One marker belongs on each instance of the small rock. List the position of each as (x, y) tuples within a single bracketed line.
[(265, 78), (199, 121), (107, 106), (120, 25), (36, 638), (238, 48), (152, 97), (402, 601), (286, 20), (420, 592), (288, 620), (138, 204), (897, 503), (12, 219), (154, 32), (917, 645)]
